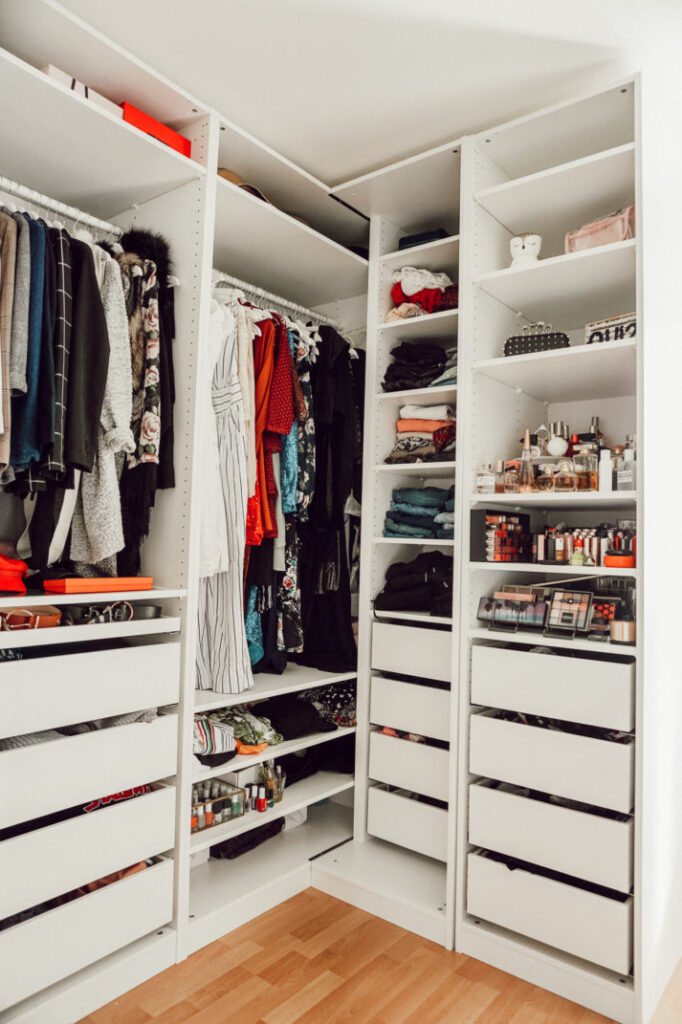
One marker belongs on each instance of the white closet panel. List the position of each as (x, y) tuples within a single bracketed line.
[(412, 651), (415, 766), (410, 706), (399, 818)]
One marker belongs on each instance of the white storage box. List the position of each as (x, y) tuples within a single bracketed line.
[(588, 846), (399, 819), (410, 707), (72, 770), (414, 766), (47, 693), (61, 857), (38, 952), (83, 90), (412, 651), (593, 927), (594, 771), (585, 690)]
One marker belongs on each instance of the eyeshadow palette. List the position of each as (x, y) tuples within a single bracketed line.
[(570, 610)]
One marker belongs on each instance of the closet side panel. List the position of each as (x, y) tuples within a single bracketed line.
[(660, 726)]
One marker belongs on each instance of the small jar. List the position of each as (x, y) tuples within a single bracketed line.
[(564, 476)]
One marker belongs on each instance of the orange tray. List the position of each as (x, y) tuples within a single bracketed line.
[(99, 584)]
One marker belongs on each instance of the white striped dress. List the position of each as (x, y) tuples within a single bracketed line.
[(223, 662)]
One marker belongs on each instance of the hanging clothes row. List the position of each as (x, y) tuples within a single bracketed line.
[(283, 426), (86, 366)]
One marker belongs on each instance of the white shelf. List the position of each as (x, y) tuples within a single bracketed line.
[(88, 633), (288, 186), (579, 373), (257, 242), (536, 638), (419, 193), (106, 165), (108, 597), (419, 542), (558, 499), (569, 291), (242, 761), (217, 884), (308, 791), (423, 327), (562, 198), (440, 256), (424, 617), (443, 390), (295, 678), (550, 570), (419, 468)]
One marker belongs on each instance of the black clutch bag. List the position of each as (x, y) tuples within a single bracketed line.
[(535, 338)]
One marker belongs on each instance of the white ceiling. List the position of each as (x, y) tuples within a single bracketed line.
[(343, 86)]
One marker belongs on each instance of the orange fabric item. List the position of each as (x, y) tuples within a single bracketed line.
[(410, 426), (250, 748), (263, 369)]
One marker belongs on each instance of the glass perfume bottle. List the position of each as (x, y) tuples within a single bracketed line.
[(544, 481), (499, 476), (564, 477), (526, 473), (485, 480), (511, 478)]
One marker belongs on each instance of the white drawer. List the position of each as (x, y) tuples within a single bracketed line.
[(44, 949), (585, 690), (45, 693), (63, 773), (410, 707), (50, 861), (414, 766), (412, 651), (587, 925), (406, 822), (587, 846), (594, 771)]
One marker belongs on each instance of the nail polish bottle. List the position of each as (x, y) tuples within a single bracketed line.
[(261, 803), (208, 814)]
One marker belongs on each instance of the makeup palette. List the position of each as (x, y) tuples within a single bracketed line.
[(569, 610)]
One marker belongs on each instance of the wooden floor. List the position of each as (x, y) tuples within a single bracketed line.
[(315, 960)]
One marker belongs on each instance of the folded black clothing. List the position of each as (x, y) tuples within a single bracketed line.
[(405, 581), (293, 717), (428, 562), (235, 847), (419, 352), (337, 756), (216, 760), (414, 371), (298, 766), (414, 599), (441, 604)]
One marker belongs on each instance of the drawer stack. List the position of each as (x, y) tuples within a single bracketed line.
[(550, 816), (409, 788), (60, 853)]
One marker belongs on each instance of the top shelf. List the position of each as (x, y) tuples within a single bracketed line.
[(288, 186), (257, 241)]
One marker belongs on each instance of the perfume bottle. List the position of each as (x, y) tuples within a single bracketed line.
[(485, 480), (499, 476), (564, 477), (526, 474), (511, 478)]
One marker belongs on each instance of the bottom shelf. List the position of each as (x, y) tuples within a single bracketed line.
[(388, 881)]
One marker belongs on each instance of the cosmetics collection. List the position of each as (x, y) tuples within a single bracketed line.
[(510, 538), (215, 802), (603, 609), (553, 459)]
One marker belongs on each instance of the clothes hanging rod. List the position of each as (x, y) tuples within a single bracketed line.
[(70, 212), (220, 278)]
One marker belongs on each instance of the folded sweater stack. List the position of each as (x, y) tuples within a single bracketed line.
[(424, 584), (421, 512), (416, 291), (424, 434), (415, 365)]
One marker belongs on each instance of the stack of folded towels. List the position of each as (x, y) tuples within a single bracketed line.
[(424, 584), (416, 291), (421, 512), (418, 365), (424, 434)]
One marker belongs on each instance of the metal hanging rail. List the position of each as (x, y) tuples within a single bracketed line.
[(70, 212), (219, 278)]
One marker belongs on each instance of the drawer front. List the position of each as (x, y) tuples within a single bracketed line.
[(41, 951), (582, 923), (412, 651), (587, 846), (600, 693), (69, 771), (596, 772), (413, 766), (408, 823), (408, 706), (73, 688), (61, 857)]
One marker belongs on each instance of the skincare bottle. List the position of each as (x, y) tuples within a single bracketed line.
[(526, 474), (499, 476), (627, 472), (605, 470)]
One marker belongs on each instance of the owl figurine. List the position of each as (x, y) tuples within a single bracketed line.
[(525, 249)]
